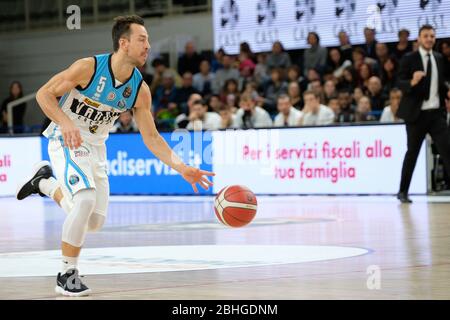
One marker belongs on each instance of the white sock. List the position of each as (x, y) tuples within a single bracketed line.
[(69, 263), (48, 186)]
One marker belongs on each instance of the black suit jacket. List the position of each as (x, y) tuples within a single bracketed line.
[(412, 97)]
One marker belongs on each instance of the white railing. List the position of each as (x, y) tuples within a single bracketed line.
[(10, 106)]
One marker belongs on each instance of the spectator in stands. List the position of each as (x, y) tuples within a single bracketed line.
[(364, 74), (347, 108), (315, 113), (164, 100), (261, 73), (358, 93), (294, 74), (382, 53), (203, 80), (15, 92), (329, 91), (147, 77), (287, 115), (214, 103), (184, 92), (244, 47), (251, 88), (216, 63), (316, 87), (227, 117), (201, 119), (278, 58), (182, 120), (389, 74), (345, 46), (222, 75), (189, 60), (246, 70), (348, 79), (275, 87), (389, 112), (375, 94), (250, 115), (337, 63), (295, 95), (230, 87), (316, 55), (333, 104), (160, 67), (403, 46), (444, 49), (363, 110), (369, 46), (232, 102), (359, 57), (125, 124)]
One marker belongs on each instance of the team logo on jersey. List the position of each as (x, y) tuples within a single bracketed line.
[(122, 104), (74, 179), (127, 92), (111, 96), (93, 129)]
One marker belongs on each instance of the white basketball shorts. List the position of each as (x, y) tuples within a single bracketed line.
[(81, 168)]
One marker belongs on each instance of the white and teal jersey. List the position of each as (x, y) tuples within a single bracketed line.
[(95, 108)]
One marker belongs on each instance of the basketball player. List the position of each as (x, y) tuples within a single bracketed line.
[(95, 91)]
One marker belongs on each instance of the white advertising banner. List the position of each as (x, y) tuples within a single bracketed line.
[(261, 22), (17, 157), (319, 160)]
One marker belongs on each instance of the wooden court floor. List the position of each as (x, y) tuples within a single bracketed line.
[(296, 248)]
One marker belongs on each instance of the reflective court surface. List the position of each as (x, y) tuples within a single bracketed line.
[(298, 247)]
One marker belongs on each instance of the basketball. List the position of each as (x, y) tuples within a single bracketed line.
[(235, 206)]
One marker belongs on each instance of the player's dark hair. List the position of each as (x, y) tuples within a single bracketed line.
[(425, 27), (121, 28), (315, 94)]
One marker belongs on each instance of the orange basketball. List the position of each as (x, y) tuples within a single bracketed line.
[(235, 206)]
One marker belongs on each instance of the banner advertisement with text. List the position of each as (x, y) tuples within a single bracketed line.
[(320, 160), (17, 157), (261, 22)]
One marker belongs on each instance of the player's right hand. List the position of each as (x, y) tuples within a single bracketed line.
[(417, 76), (71, 135)]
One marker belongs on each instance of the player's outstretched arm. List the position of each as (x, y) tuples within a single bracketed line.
[(79, 73), (158, 146)]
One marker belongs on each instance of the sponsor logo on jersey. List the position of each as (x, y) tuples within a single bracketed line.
[(111, 96), (74, 179), (81, 153), (89, 113), (91, 103), (122, 104), (127, 92), (93, 129)]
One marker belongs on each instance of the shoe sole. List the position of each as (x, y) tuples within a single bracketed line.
[(63, 292), (24, 183)]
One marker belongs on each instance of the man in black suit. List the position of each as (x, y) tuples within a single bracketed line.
[(421, 79)]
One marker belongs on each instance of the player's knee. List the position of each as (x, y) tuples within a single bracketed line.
[(85, 199), (96, 222)]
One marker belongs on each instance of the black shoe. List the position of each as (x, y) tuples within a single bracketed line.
[(403, 197), (69, 284), (41, 170)]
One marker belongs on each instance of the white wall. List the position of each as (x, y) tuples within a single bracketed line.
[(33, 57)]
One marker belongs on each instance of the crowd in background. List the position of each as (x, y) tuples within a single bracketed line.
[(343, 84)]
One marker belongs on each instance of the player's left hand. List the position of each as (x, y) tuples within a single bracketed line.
[(195, 175)]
